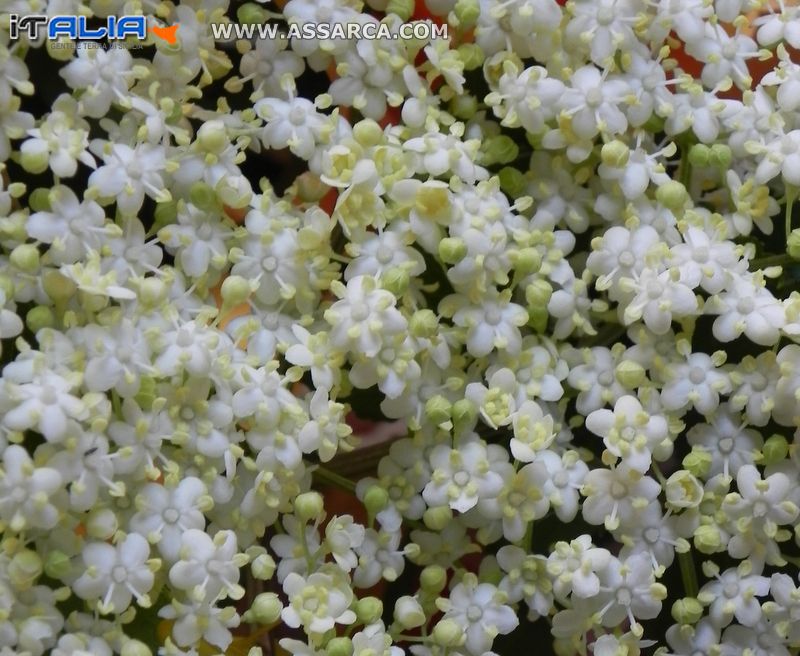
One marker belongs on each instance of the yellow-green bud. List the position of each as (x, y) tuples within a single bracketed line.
[(672, 195), (499, 150), (263, 567), (707, 539), (39, 200), (165, 213), (25, 257), (369, 610), (201, 195), (467, 12), (512, 181), (615, 153), (472, 55), (537, 318), (152, 291), (538, 294), (775, 450), (25, 567), (464, 413), (309, 505), (793, 244), (396, 280), (135, 648), (102, 524), (683, 490), (527, 260), (57, 565), (213, 137), (39, 317), (35, 161), (697, 462), (721, 156), (57, 286), (448, 633), (341, 646), (687, 610), (433, 578), (452, 250), (423, 323), (367, 133), (251, 14), (235, 290), (375, 499), (234, 191), (630, 374), (266, 609), (403, 8), (438, 409), (463, 106), (408, 612), (437, 518), (699, 155)]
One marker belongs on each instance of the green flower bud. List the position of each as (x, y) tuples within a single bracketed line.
[(423, 323), (135, 648), (452, 250), (793, 244), (166, 213), (472, 55), (341, 646), (7, 286), (201, 195), (58, 287), (687, 610), (375, 499), (448, 633), (152, 291), (263, 567), (25, 257), (438, 409), (538, 294), (213, 137), (309, 505), (467, 12), (35, 161), (251, 14), (39, 200), (367, 133), (396, 280), (403, 8), (266, 609), (707, 539), (408, 613), (24, 568), (464, 413), (527, 260), (683, 490), (39, 317), (57, 565), (697, 462), (630, 374), (699, 155), (433, 578), (499, 150), (775, 450), (672, 195), (437, 518), (234, 290), (721, 156), (369, 610), (512, 181), (102, 524), (234, 191), (615, 153), (463, 106)]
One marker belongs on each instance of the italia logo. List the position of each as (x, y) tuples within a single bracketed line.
[(77, 28)]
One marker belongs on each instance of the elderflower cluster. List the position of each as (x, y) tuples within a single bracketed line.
[(557, 251)]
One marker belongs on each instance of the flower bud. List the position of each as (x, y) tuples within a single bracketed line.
[(25, 257), (467, 12), (464, 413), (39, 200), (165, 213), (234, 290), (672, 195), (403, 8), (408, 612), (432, 579), (499, 150), (707, 539), (423, 323), (152, 291), (396, 281), (39, 317), (341, 646), (101, 523), (58, 287), (367, 133), (775, 450), (512, 181), (471, 55), (24, 568), (57, 565), (463, 106), (630, 374), (135, 648), (309, 505), (213, 137), (437, 518), (793, 244), (438, 409), (369, 610), (202, 195), (687, 610), (538, 293), (528, 260), (34, 161), (615, 154), (448, 633), (251, 14), (263, 567), (683, 490), (697, 462), (266, 609), (699, 155), (721, 156), (452, 250), (375, 499), (234, 191)]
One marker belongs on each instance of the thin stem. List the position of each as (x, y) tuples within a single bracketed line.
[(325, 475), (772, 260), (791, 194), (688, 574)]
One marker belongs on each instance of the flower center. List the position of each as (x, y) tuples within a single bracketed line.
[(171, 515), (618, 490), (730, 590), (360, 312), (726, 445), (119, 574), (697, 375), (652, 534), (474, 613), (745, 305), (626, 259), (461, 478), (594, 97), (655, 289)]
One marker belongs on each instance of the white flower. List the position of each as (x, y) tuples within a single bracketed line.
[(293, 123), (696, 382), (733, 594), (27, 492), (208, 568), (631, 591), (781, 155), (61, 140), (748, 308), (493, 323), (198, 620), (658, 298), (318, 602), (116, 574), (592, 103), (614, 495), (533, 432), (103, 75), (342, 536)]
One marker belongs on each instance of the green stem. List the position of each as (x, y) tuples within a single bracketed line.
[(326, 476), (528, 539), (688, 574), (794, 560), (791, 194), (772, 260)]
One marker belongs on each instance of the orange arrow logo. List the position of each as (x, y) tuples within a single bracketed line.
[(166, 33)]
